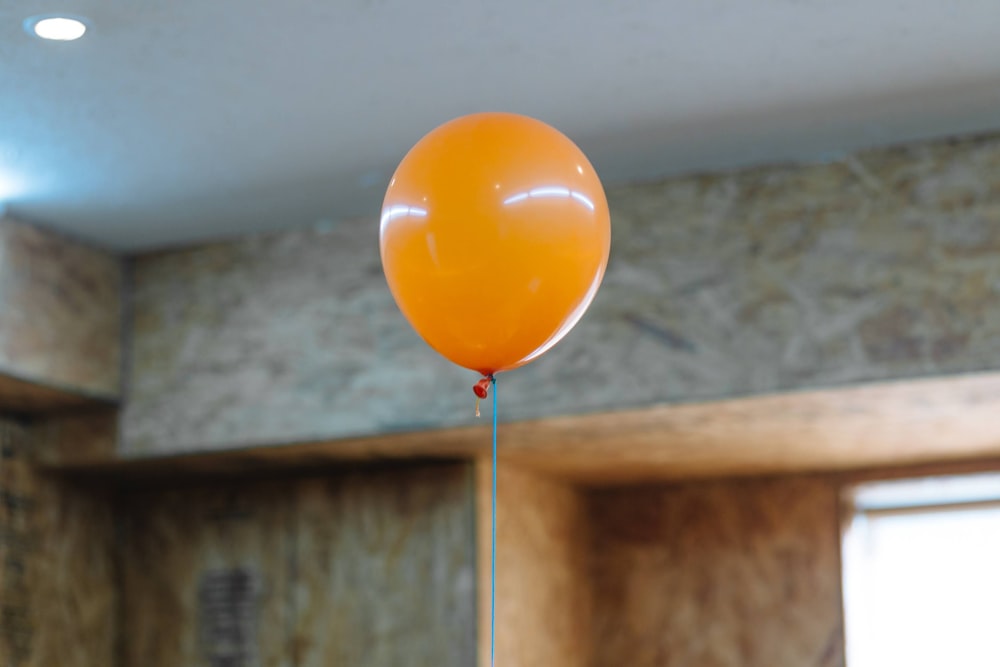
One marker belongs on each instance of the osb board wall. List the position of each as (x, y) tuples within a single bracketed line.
[(58, 604), (543, 593), (61, 305), (880, 266), (363, 569), (717, 574)]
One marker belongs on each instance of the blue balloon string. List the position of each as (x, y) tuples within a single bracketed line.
[(493, 565)]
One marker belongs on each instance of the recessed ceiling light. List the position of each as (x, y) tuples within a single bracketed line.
[(56, 28)]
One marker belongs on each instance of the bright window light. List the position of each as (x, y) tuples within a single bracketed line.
[(922, 573), (59, 28)]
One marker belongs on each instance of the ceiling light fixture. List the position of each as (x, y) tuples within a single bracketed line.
[(56, 28)]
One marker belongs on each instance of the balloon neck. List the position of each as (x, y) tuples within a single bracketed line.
[(482, 388)]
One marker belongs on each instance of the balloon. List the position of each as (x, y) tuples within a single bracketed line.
[(494, 238)]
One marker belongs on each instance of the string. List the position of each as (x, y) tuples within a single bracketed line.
[(493, 564)]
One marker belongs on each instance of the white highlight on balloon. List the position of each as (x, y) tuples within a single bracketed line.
[(550, 191), (398, 211)]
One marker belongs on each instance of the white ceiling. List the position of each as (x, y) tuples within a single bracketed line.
[(174, 121)]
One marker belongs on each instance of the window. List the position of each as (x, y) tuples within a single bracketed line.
[(922, 573)]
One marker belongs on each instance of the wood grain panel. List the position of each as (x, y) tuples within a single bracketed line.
[(386, 572), (75, 437), (717, 574), (544, 602), (372, 567), (180, 546), (58, 600)]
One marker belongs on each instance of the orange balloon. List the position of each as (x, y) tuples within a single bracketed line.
[(494, 238)]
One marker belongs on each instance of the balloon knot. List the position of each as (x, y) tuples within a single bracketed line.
[(482, 389)]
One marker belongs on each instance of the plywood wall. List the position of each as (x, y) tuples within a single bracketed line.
[(717, 574), (58, 601), (363, 569), (544, 604)]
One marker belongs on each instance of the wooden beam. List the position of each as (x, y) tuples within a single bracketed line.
[(22, 396), (880, 425), (543, 587), (75, 437)]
